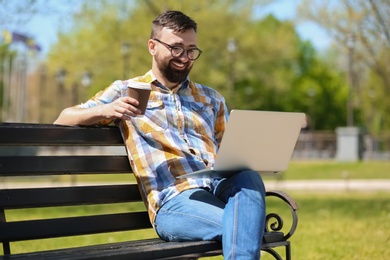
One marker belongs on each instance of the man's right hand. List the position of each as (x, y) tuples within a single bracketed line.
[(122, 108)]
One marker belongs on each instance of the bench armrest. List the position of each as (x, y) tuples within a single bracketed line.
[(277, 225)]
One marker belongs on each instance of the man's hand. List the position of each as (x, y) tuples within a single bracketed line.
[(122, 108)]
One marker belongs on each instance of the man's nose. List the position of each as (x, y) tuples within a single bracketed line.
[(184, 56)]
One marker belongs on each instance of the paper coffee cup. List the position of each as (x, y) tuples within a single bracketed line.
[(139, 91)]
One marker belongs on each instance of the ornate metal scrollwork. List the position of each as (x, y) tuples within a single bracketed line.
[(274, 226), (278, 224)]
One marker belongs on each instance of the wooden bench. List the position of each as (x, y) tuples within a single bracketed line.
[(38, 137)]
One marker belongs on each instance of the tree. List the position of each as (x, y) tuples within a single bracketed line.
[(104, 26), (17, 12), (16, 45), (362, 29), (256, 64)]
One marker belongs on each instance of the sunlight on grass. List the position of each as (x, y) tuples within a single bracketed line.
[(301, 170), (297, 170), (345, 225), (340, 226)]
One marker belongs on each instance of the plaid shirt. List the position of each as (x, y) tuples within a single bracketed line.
[(180, 133)]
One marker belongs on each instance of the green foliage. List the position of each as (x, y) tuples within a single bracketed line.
[(7, 57), (375, 105), (270, 69), (361, 31)]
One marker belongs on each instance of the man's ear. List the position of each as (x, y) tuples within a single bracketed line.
[(152, 47)]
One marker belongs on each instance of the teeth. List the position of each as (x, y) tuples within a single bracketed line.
[(180, 65)]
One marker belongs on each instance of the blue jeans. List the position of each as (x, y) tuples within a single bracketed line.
[(234, 213)]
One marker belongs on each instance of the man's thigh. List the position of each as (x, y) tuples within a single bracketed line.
[(192, 215)]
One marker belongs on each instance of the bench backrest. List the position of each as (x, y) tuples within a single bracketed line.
[(32, 165)]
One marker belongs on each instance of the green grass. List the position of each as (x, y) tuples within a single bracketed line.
[(340, 226), (314, 170), (297, 170), (71, 211), (345, 225), (331, 226)]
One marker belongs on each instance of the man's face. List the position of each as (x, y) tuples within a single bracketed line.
[(175, 70)]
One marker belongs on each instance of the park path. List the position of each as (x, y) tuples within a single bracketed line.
[(293, 185)]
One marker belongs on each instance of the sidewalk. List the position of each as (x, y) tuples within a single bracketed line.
[(297, 185)]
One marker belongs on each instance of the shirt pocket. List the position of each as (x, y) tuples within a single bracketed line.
[(154, 120), (202, 118)]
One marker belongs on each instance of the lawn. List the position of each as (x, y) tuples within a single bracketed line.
[(314, 170), (341, 226), (331, 226), (297, 170), (344, 225)]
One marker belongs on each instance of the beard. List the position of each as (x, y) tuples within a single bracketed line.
[(170, 73)]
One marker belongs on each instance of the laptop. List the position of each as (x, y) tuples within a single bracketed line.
[(261, 141)]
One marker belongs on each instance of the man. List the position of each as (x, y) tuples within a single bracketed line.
[(180, 133)]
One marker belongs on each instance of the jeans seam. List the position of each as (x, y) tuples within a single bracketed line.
[(235, 224)]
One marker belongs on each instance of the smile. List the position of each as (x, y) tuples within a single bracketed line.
[(178, 65)]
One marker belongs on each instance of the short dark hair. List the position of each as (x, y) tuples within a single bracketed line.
[(174, 20)]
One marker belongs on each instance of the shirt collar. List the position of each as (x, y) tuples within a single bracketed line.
[(149, 77)]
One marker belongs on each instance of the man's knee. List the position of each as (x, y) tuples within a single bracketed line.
[(244, 180), (251, 180)]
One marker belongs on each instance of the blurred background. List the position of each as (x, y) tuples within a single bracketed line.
[(329, 59)]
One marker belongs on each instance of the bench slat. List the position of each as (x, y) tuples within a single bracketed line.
[(143, 249), (19, 164), (54, 165), (62, 196), (72, 226), (53, 135)]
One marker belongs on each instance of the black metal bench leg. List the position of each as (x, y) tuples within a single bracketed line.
[(273, 253), (276, 255), (288, 251)]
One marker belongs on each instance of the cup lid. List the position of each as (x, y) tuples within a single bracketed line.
[(139, 85)]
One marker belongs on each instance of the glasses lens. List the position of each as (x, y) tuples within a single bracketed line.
[(193, 54), (177, 51)]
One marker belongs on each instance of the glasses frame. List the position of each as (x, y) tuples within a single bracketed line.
[(171, 47)]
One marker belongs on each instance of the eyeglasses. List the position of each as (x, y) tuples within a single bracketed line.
[(178, 51)]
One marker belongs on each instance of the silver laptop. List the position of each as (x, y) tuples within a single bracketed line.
[(261, 141)]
